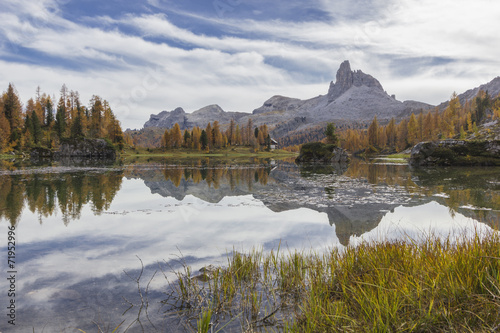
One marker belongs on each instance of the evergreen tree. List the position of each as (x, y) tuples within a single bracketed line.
[(77, 128), (331, 136), (187, 138), (28, 130), (49, 112), (60, 122), (203, 140), (12, 107), (37, 128)]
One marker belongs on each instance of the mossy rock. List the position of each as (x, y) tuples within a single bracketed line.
[(318, 152), (457, 152)]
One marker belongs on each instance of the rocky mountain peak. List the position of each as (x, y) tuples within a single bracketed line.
[(346, 78)]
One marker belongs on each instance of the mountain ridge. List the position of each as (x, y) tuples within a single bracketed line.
[(355, 98)]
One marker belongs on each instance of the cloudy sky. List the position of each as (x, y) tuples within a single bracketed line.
[(149, 56)]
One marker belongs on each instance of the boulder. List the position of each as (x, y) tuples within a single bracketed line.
[(86, 148), (318, 152), (38, 153), (456, 152)]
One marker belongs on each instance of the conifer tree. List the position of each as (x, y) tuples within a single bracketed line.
[(176, 136), (373, 133), (77, 128), (331, 136), (37, 128), (49, 112), (165, 140), (412, 130), (204, 140), (60, 122)]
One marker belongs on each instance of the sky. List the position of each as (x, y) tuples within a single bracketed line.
[(147, 56)]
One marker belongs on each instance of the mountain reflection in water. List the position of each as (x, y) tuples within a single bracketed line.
[(355, 198), (79, 229)]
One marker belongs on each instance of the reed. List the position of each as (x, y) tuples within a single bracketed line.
[(433, 285)]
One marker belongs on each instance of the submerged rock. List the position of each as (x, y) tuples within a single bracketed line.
[(456, 152), (318, 152)]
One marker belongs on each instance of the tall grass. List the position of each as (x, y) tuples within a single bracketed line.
[(399, 286)]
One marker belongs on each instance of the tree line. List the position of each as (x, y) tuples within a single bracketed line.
[(43, 194), (213, 136), (44, 123), (456, 121)]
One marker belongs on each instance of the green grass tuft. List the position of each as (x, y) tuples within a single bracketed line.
[(401, 286)]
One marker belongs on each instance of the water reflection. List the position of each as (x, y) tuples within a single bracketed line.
[(73, 272), (40, 193), (355, 199)]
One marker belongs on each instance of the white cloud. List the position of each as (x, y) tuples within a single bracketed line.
[(239, 71)]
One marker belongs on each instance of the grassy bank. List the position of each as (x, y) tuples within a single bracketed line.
[(434, 286), (232, 152)]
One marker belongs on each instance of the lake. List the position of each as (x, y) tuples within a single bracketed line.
[(95, 244)]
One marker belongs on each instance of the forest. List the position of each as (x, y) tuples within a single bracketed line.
[(44, 123), (213, 136), (455, 121)]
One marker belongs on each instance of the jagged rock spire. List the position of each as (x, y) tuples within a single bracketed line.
[(346, 79)]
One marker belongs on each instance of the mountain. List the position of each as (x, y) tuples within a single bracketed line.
[(355, 97), (201, 117), (492, 87)]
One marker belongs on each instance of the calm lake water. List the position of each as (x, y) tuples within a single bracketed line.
[(83, 234)]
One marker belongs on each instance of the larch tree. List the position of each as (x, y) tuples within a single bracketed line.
[(209, 133), (238, 138), (373, 133), (176, 136), (195, 137), (217, 135), (165, 139), (13, 112), (412, 130), (231, 134), (390, 133)]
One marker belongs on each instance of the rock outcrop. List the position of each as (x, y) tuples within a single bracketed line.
[(347, 79), (354, 98), (201, 117), (456, 152), (321, 153), (96, 149), (166, 119)]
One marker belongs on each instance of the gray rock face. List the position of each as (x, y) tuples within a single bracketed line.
[(347, 79), (167, 119), (199, 118), (492, 87), (355, 97), (279, 103), (86, 148), (77, 150), (456, 152)]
